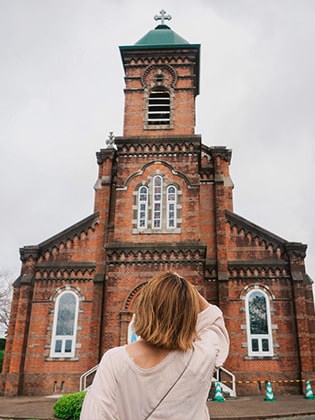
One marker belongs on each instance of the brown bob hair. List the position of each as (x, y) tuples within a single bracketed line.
[(166, 312)]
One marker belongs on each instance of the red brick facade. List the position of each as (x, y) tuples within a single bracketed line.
[(105, 259)]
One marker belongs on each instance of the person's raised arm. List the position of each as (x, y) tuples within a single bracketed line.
[(203, 304), (211, 324)]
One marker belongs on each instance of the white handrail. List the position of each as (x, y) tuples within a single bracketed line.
[(84, 377), (225, 388)]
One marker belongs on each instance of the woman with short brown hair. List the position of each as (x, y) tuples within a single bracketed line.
[(167, 373), (161, 316)]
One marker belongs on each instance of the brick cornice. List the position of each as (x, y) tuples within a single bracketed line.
[(142, 56), (69, 266), (65, 270), (24, 279), (267, 269), (104, 154), (156, 252), (222, 152), (29, 251), (296, 249), (158, 145), (272, 262)]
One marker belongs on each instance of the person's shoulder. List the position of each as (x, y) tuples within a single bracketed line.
[(212, 312), (115, 352), (115, 360)]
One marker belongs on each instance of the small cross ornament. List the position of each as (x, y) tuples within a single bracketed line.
[(162, 17), (110, 142)]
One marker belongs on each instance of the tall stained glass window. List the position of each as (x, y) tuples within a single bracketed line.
[(171, 206), (157, 202), (143, 207), (65, 325), (259, 333), (157, 207)]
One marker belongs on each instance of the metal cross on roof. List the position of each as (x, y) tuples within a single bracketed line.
[(110, 142), (162, 17)]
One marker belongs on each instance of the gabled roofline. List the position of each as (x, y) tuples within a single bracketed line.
[(64, 235), (242, 223), (71, 231)]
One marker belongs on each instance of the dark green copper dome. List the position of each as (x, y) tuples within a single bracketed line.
[(160, 36)]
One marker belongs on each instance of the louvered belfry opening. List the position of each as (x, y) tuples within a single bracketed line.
[(159, 107)]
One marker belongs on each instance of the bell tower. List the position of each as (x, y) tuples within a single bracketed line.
[(161, 83), (148, 192)]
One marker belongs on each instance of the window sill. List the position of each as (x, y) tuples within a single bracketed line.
[(261, 357), (61, 359), (155, 231), (158, 127)]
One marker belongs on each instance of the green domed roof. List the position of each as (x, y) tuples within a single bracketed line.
[(160, 36)]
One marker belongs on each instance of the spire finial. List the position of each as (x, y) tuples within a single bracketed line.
[(110, 142), (162, 17)]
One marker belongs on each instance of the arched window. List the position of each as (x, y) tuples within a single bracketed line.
[(259, 334), (171, 206), (143, 207), (65, 325), (159, 106), (157, 202), (157, 207)]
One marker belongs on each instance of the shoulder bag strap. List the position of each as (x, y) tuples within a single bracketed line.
[(170, 389)]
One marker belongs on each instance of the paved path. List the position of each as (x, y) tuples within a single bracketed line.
[(241, 408), (256, 408)]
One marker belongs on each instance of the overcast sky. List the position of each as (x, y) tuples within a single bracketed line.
[(61, 93)]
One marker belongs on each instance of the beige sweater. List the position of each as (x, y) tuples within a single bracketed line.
[(121, 390)]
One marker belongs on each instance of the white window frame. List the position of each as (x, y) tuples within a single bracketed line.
[(155, 208), (171, 207), (143, 207), (64, 339), (157, 202), (260, 352)]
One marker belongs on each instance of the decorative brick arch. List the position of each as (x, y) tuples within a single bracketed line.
[(65, 288), (151, 163), (258, 286), (127, 312)]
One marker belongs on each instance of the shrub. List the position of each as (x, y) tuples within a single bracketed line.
[(2, 343), (69, 406), (1, 359)]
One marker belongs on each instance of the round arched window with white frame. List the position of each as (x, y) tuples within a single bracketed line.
[(258, 322), (65, 325)]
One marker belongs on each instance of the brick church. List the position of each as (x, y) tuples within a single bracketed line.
[(163, 201)]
